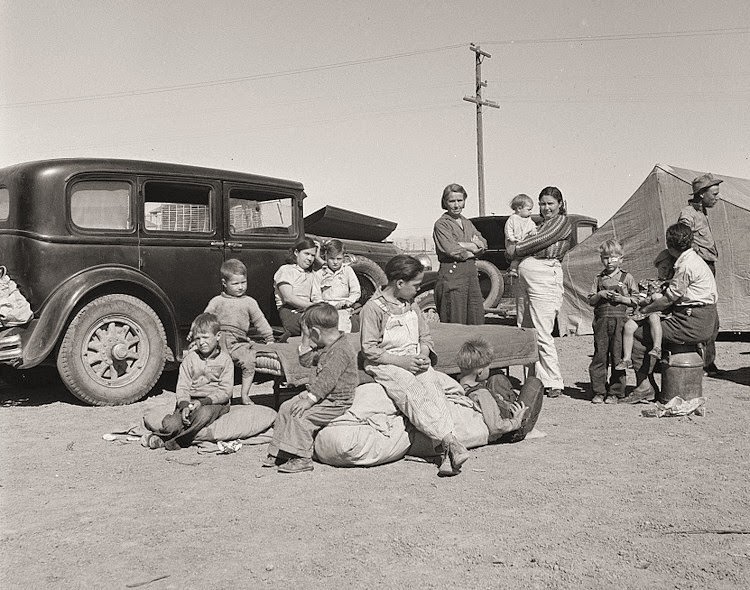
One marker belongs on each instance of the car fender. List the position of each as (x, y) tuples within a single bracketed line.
[(60, 305), (428, 281)]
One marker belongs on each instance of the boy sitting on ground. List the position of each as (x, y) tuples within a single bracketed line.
[(328, 395), (238, 313), (474, 358), (204, 388)]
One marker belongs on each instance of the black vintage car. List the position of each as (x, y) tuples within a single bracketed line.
[(117, 257)]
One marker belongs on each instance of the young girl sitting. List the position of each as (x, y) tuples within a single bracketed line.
[(398, 351), (296, 287), (651, 290), (338, 283)]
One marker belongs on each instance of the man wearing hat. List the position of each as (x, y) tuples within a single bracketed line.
[(695, 216)]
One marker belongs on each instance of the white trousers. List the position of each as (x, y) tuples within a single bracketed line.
[(420, 398), (542, 281)]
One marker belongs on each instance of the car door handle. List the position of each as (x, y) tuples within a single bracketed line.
[(234, 245), (217, 244)]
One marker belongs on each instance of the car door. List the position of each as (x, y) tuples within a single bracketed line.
[(261, 224), (181, 245)]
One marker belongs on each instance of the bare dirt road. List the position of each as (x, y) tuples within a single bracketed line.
[(608, 499)]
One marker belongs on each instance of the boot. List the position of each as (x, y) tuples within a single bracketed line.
[(457, 452), (446, 469)]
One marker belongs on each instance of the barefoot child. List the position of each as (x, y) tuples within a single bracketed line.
[(328, 395), (474, 358), (651, 290), (338, 283), (204, 388), (238, 313), (612, 293), (398, 351), (519, 226)]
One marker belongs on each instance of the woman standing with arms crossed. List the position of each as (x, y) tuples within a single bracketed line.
[(457, 243), (541, 278)]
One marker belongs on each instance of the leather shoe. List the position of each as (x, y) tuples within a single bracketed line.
[(712, 370), (644, 391)]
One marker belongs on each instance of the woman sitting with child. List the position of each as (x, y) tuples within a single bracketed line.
[(296, 287), (399, 351)]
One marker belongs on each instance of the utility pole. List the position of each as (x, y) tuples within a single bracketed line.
[(477, 100)]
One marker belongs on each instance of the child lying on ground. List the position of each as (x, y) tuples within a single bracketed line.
[(328, 395), (474, 358), (204, 388), (649, 291)]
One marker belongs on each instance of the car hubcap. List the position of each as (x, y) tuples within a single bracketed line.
[(115, 351)]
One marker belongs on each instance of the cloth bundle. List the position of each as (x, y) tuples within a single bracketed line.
[(14, 309)]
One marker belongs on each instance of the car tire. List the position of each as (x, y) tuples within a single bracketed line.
[(495, 279), (113, 351), (370, 275)]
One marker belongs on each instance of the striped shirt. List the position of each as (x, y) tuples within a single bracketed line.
[(552, 240)]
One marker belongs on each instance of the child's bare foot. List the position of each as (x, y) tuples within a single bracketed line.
[(655, 352), (624, 364), (246, 401)]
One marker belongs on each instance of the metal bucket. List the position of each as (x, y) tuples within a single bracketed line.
[(681, 375)]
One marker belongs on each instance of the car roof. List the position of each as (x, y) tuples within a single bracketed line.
[(535, 217), (67, 167)]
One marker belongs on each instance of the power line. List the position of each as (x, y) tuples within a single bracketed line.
[(625, 37), (227, 81), (363, 61)]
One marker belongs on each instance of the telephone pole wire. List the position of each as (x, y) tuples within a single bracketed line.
[(477, 100)]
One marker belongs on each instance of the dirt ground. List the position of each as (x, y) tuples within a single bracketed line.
[(608, 499)]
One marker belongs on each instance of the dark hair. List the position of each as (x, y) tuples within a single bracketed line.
[(302, 244), (553, 191), (403, 267), (232, 267), (474, 354), (333, 247), (320, 315), (205, 322), (452, 188), (679, 237), (520, 200)]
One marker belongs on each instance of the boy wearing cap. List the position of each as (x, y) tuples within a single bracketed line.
[(705, 195)]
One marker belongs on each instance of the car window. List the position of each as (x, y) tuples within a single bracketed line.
[(101, 204), (583, 232), (4, 204), (255, 212), (177, 207)]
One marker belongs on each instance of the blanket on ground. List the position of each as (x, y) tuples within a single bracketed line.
[(511, 345)]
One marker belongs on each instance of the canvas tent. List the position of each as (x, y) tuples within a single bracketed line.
[(639, 225)]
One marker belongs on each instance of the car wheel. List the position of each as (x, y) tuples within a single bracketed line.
[(370, 275), (426, 303), (113, 351), (492, 280)]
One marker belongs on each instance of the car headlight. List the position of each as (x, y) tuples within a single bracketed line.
[(425, 260)]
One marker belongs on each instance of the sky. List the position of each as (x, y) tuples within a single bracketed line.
[(363, 101)]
